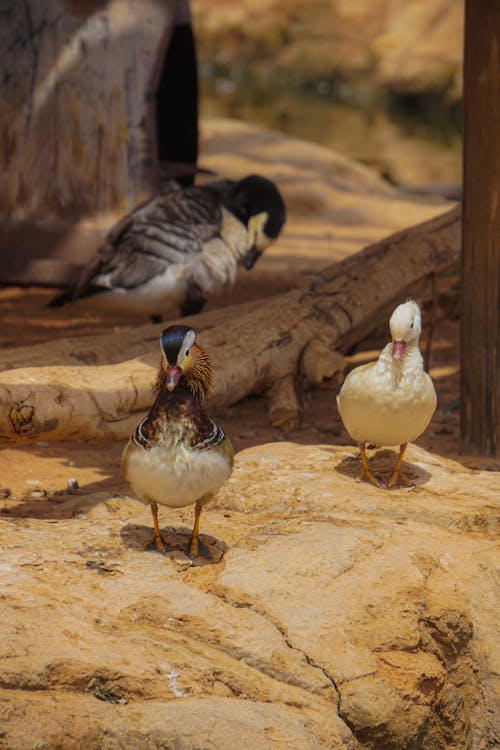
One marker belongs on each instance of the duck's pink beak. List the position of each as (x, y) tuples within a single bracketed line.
[(174, 374), (398, 348)]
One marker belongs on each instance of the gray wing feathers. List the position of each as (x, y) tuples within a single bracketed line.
[(165, 230)]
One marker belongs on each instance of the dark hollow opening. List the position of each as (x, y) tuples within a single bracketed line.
[(177, 107)]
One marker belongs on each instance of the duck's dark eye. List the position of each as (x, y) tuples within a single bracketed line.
[(411, 324), (186, 353)]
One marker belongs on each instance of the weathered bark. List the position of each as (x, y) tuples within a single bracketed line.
[(77, 127), (254, 347)]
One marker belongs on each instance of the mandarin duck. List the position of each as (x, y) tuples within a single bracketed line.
[(179, 456), (390, 401), (181, 248)]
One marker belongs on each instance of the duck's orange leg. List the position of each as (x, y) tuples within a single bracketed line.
[(195, 547), (157, 537), (366, 472), (397, 476)]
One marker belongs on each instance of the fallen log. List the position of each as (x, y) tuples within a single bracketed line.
[(100, 385)]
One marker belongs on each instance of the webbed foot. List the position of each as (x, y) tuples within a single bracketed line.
[(369, 476), (196, 548), (366, 473), (157, 542), (397, 479)]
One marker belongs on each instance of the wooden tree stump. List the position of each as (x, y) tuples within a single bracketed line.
[(78, 86), (78, 124)]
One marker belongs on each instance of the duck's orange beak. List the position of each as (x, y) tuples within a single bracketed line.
[(174, 374), (398, 348)]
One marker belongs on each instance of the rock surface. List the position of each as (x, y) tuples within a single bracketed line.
[(340, 616)]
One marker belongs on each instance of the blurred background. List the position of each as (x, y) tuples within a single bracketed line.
[(377, 80)]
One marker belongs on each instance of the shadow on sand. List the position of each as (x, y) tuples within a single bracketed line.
[(138, 537)]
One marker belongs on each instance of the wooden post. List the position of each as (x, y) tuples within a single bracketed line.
[(480, 307)]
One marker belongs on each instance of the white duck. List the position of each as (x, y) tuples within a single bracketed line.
[(390, 401)]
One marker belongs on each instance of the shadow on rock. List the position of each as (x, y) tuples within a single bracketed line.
[(138, 537), (57, 505), (382, 465)]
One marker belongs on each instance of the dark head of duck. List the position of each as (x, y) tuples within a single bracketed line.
[(256, 201), (183, 363)]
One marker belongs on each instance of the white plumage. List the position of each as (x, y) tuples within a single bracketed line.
[(175, 475), (390, 401)]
